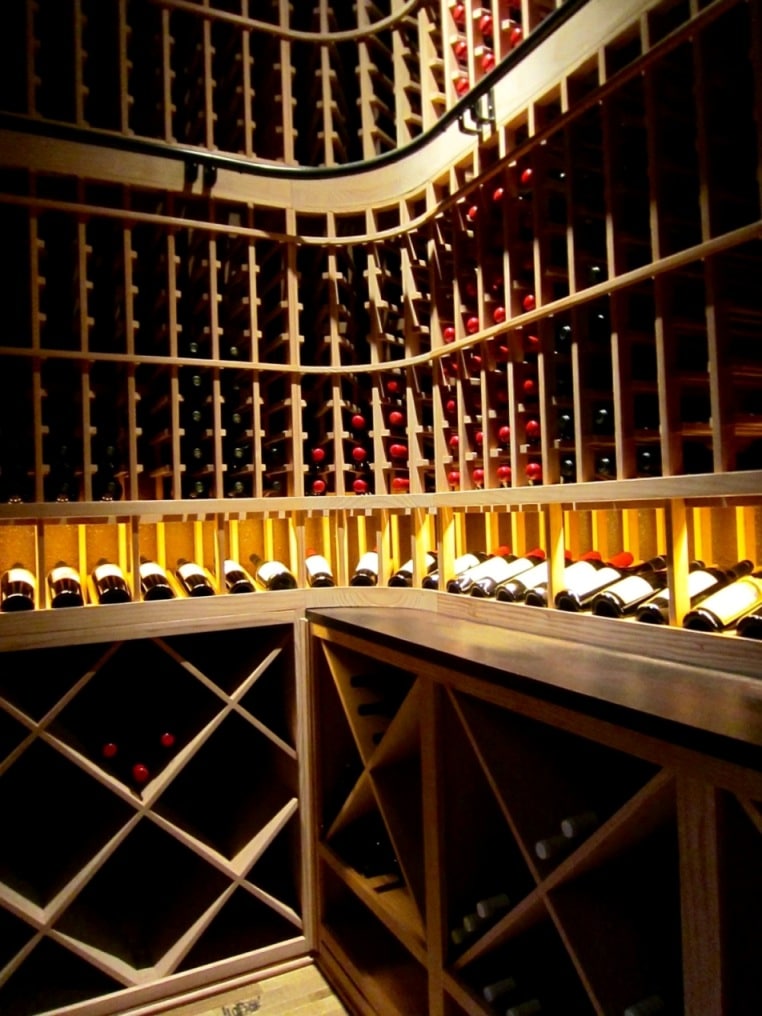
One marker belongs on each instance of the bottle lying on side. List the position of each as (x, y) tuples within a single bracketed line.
[(721, 610), (702, 582)]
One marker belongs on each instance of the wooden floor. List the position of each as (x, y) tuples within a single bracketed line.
[(299, 992)]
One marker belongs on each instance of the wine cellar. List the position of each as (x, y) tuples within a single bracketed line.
[(403, 316)]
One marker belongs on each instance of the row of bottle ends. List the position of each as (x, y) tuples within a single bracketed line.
[(720, 599)]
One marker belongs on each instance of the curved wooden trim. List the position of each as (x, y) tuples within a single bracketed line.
[(292, 34)]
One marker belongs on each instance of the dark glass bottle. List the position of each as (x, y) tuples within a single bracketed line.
[(237, 579), (461, 564), (64, 586), (724, 607), (109, 583), (154, 581), (272, 575), (702, 581), (61, 483), (366, 570), (589, 579), (18, 588), (193, 578), (625, 596), (491, 567), (319, 571), (404, 574), (485, 586)]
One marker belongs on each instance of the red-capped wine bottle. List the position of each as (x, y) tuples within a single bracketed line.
[(460, 564), (272, 575), (109, 583), (625, 596), (721, 609), (237, 579), (154, 581), (319, 571), (404, 574), (18, 588), (64, 586), (485, 586), (589, 580), (702, 581), (193, 578), (366, 570)]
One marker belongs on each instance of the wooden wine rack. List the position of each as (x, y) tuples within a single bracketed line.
[(470, 769), (279, 277)]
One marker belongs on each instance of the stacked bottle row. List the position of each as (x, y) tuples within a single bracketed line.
[(483, 34), (233, 81), (594, 827), (165, 775), (720, 599), (109, 583)]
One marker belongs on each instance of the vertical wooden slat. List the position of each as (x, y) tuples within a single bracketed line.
[(433, 844), (678, 560), (698, 836)]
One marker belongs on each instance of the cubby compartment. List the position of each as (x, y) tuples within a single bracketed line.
[(36, 865), (115, 911), (628, 907), (53, 977), (740, 828), (531, 965), (127, 715), (385, 973), (207, 800), (569, 785), (486, 874)]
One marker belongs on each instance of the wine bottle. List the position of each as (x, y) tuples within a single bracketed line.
[(723, 608), (237, 579), (487, 585), (497, 989), (319, 571), (18, 588), (528, 1008), (589, 579), (702, 581), (750, 625), (625, 596), (524, 1008), (491, 567), (492, 905), (515, 590), (366, 570), (61, 482), (109, 583), (532, 587), (551, 846), (404, 574), (154, 581), (272, 575), (106, 483), (64, 586), (193, 578), (577, 825), (460, 564), (646, 1007)]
